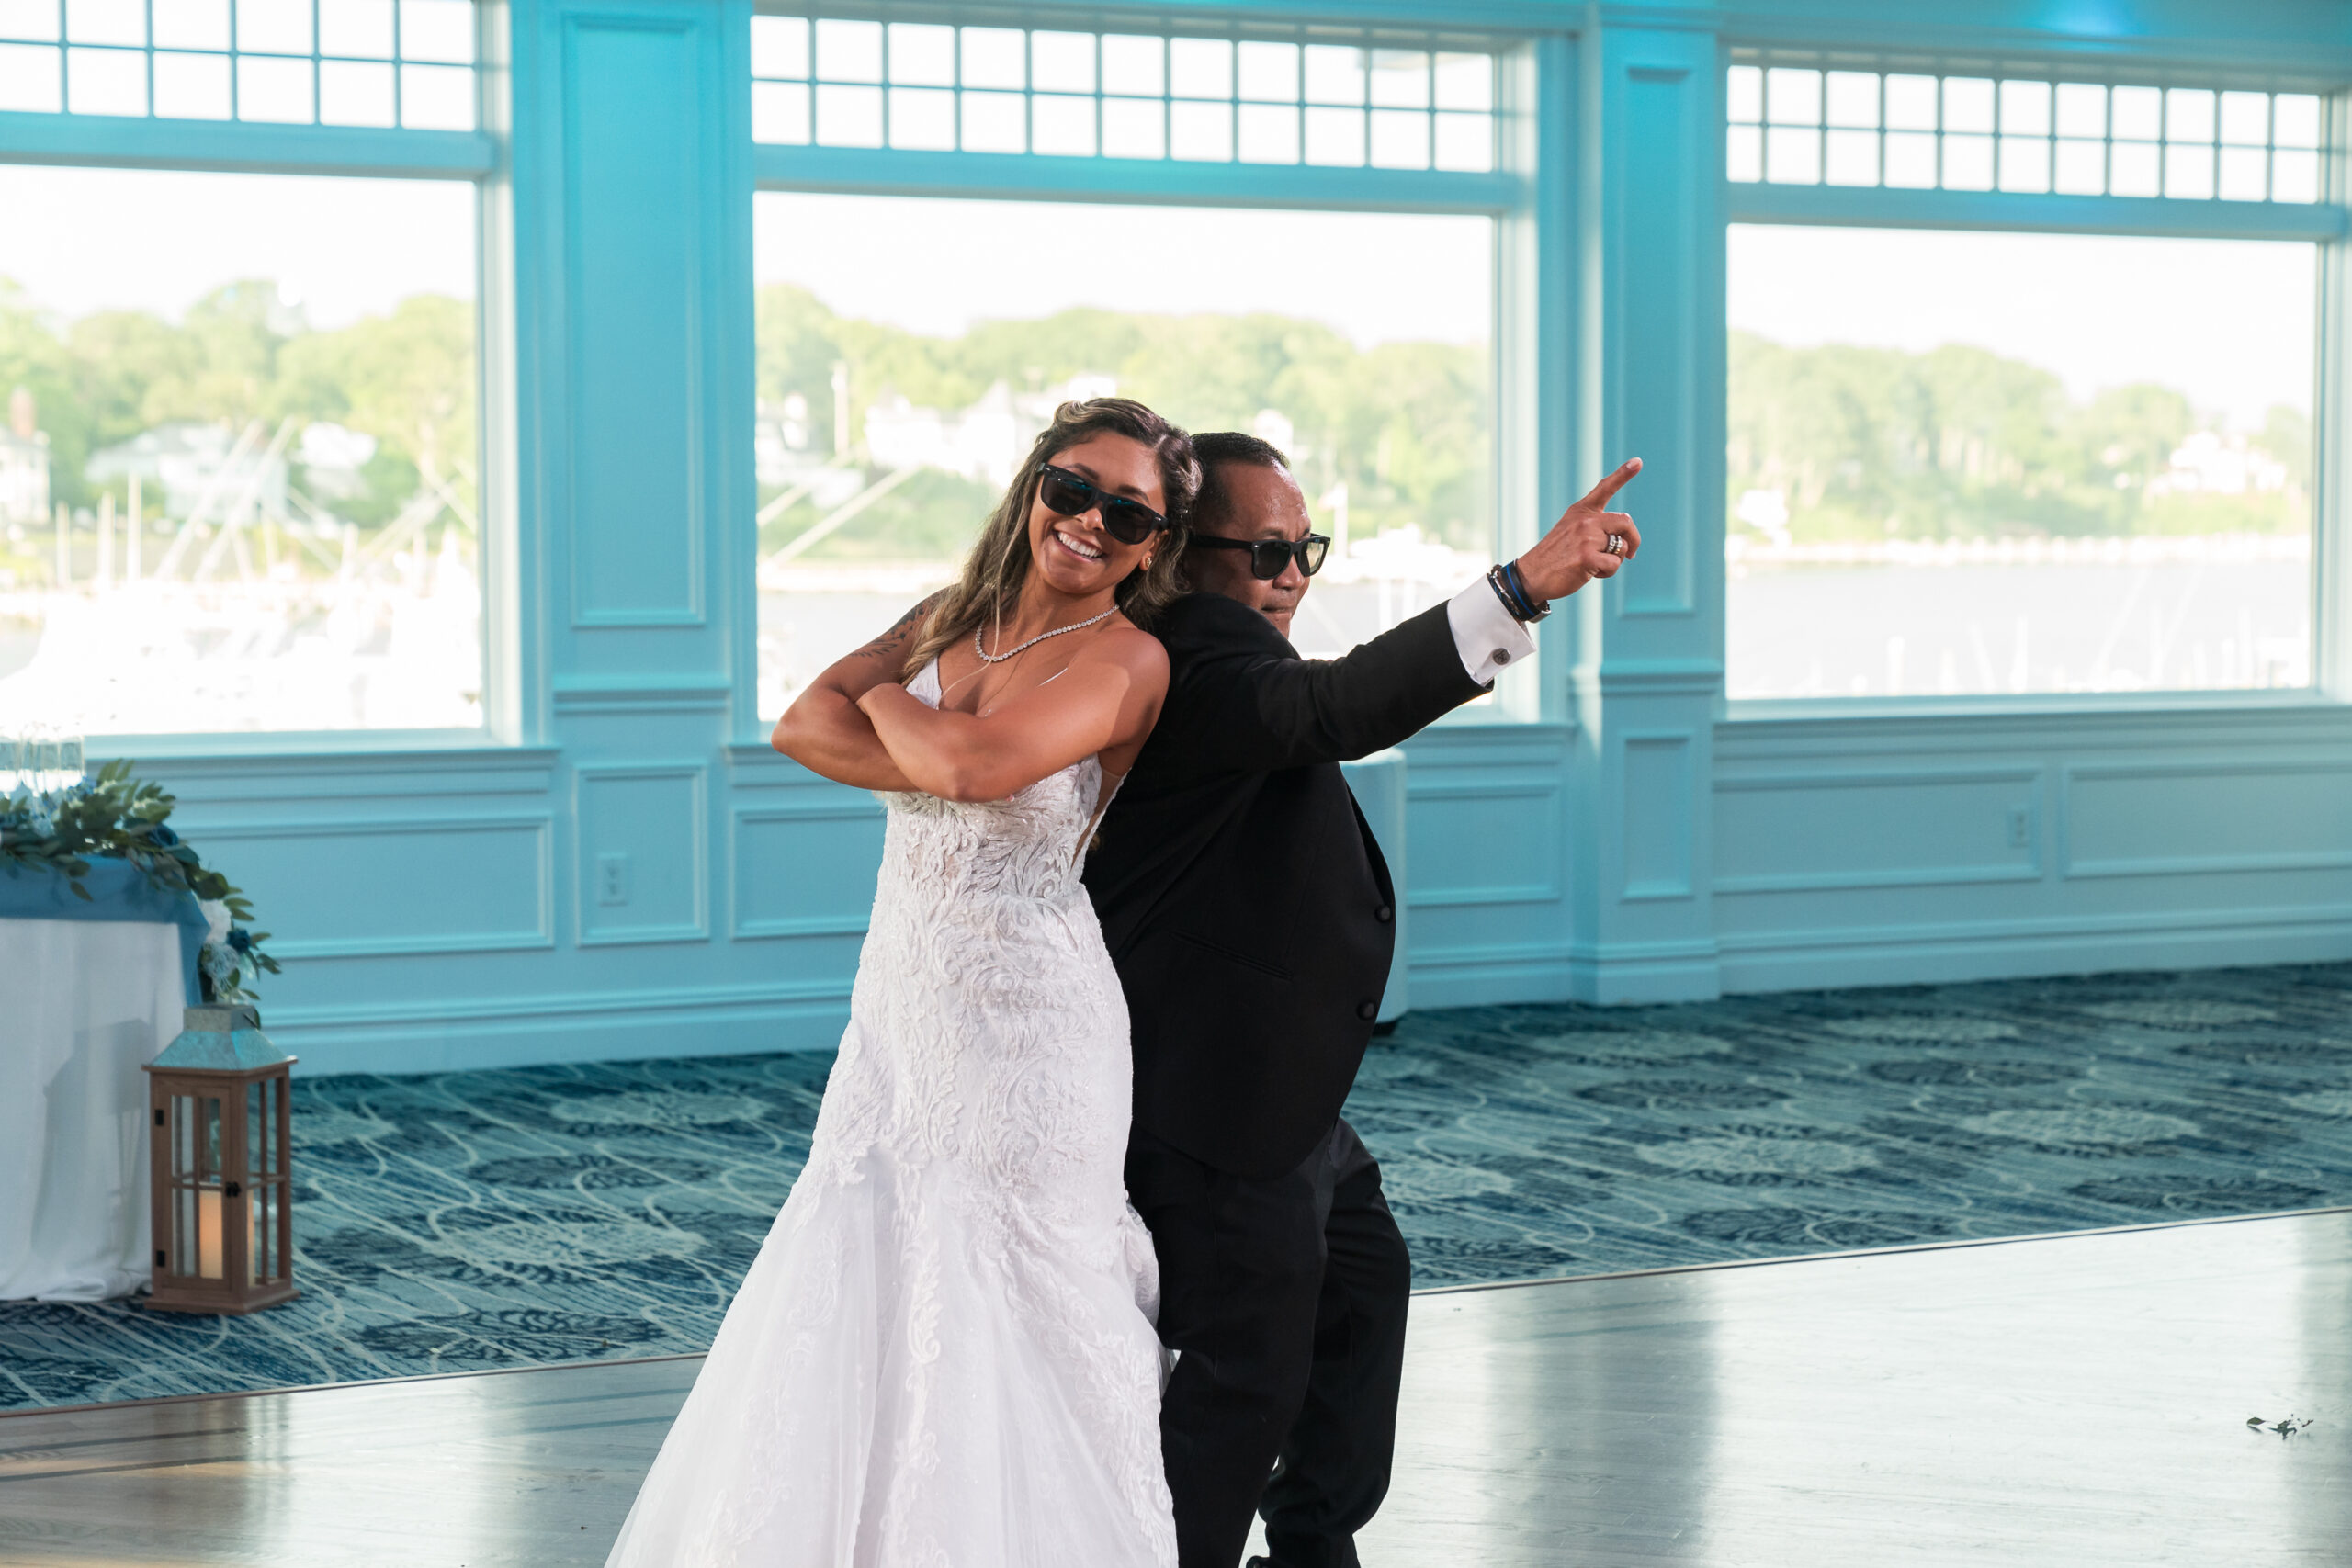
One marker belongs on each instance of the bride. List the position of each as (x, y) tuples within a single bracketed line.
[(943, 1354)]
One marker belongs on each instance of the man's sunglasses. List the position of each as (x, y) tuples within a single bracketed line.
[(1268, 557), (1074, 495)]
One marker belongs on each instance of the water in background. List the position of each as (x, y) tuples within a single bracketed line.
[(2225, 613), (2188, 615), (392, 640), (405, 651)]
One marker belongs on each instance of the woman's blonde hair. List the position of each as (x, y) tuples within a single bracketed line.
[(989, 587)]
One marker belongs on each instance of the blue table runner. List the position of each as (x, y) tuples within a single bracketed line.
[(119, 891)]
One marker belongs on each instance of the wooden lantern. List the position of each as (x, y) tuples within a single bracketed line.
[(223, 1170)]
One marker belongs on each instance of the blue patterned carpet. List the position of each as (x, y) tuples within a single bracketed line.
[(499, 1219)]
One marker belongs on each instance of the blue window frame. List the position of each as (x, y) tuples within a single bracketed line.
[(1262, 114), (380, 89), (391, 63), (2023, 148), (1801, 124), (1269, 113), (935, 86)]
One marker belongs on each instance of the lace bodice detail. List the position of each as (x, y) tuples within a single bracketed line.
[(985, 972), (1024, 846)]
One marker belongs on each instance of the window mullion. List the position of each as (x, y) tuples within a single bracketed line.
[(2227, 474)]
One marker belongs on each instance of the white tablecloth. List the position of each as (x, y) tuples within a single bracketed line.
[(84, 1005)]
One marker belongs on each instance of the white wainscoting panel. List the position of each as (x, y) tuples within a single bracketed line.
[(1485, 843), (2173, 817), (806, 867), (1877, 827), (385, 887), (1656, 818), (644, 826)]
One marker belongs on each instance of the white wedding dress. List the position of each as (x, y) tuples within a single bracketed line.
[(943, 1357)]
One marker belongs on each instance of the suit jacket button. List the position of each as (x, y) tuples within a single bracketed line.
[(1383, 914), (1367, 1010)]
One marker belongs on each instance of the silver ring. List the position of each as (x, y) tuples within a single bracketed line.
[(1616, 544)]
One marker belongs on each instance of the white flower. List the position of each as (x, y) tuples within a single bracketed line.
[(216, 920)]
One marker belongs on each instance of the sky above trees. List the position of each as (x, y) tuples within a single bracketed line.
[(1959, 441), (2232, 324)]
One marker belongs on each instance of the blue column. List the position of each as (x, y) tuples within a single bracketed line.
[(1646, 651), (632, 256)]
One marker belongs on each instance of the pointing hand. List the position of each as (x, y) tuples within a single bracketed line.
[(1577, 549)]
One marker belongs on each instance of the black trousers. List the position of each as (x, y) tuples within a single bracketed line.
[(1285, 1301)]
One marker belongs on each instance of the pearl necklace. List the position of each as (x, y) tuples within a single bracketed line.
[(988, 657)]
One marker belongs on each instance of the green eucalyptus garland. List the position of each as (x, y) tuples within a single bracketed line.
[(119, 817)]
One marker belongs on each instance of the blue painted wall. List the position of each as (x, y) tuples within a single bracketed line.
[(437, 901)]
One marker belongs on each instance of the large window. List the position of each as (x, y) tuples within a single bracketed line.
[(912, 345), (2013, 463), (2018, 463), (910, 350), (239, 475)]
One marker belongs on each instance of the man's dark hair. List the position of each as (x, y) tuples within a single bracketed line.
[(1221, 449)]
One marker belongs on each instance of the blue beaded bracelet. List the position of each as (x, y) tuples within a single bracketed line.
[(1532, 611), (1514, 603)]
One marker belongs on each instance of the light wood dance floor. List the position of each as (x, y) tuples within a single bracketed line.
[(2076, 1402)]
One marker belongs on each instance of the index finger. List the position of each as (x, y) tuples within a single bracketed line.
[(1613, 483)]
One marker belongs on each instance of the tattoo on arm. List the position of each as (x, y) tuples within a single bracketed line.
[(894, 641)]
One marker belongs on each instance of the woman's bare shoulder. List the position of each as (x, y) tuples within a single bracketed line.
[(1131, 648)]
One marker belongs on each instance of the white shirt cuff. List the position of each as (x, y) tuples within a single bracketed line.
[(1485, 634)]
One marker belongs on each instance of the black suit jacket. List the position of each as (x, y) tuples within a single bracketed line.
[(1245, 904)]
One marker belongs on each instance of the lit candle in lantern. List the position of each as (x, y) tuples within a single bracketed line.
[(207, 1233)]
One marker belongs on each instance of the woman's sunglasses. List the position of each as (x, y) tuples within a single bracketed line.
[(1073, 495), (1268, 557)]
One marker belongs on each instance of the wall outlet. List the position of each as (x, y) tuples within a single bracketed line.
[(2020, 827), (611, 879)]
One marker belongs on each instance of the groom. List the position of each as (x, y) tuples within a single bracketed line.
[(1251, 920)]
